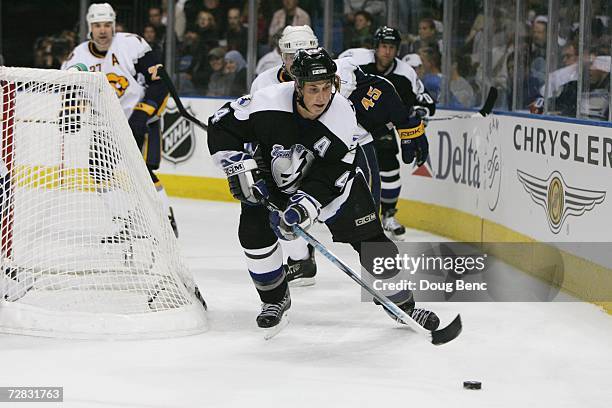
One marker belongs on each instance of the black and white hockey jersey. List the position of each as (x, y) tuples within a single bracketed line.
[(271, 76), (313, 156), (378, 106), (403, 77)]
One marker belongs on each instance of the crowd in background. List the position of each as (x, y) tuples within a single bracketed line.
[(211, 45)]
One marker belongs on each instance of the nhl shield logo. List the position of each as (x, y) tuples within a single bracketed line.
[(178, 136)]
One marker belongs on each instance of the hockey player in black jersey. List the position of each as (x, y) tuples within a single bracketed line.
[(379, 110), (306, 142), (383, 61)]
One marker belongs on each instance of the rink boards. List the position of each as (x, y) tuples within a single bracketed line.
[(503, 178)]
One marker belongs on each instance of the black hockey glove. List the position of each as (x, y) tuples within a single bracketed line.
[(301, 210), (426, 104), (243, 178), (414, 144)]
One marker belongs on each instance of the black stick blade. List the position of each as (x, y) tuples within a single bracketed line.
[(448, 333), (177, 100), (490, 102)]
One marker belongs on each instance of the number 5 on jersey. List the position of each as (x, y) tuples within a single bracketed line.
[(374, 94)]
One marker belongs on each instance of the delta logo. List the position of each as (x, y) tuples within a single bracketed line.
[(471, 159), (458, 162)]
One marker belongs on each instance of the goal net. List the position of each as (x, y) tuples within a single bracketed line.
[(86, 249)]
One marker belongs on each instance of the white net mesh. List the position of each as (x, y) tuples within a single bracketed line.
[(86, 250)]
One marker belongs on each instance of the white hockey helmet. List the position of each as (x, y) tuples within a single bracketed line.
[(297, 37), (100, 13)]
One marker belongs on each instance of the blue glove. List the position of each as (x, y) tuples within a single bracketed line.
[(301, 210), (414, 144)]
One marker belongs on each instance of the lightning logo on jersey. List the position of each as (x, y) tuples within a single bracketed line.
[(289, 165)]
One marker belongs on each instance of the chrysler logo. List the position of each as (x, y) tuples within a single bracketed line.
[(558, 199)]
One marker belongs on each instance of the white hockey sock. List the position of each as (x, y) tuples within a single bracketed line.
[(164, 198), (296, 249)]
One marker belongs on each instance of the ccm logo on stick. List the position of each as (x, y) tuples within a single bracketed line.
[(365, 220)]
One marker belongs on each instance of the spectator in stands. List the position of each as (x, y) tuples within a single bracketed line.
[(562, 87), (237, 33), (461, 92), (474, 41), (432, 79), (69, 36), (428, 36), (193, 78), (119, 27), (235, 65), (206, 27), (376, 9), (569, 54), (149, 33), (265, 9), (43, 58), (537, 51), (216, 62), (597, 103), (155, 20), (61, 48), (414, 60), (564, 75), (230, 79), (290, 14), (193, 7), (360, 34), (271, 59)]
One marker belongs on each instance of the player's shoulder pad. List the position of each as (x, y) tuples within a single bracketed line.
[(81, 49), (266, 78), (346, 72), (340, 120), (277, 97), (134, 45), (404, 69), (360, 56)]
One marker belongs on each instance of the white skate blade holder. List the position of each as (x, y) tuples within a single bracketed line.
[(299, 282), (273, 331)]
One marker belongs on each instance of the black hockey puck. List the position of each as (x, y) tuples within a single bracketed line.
[(472, 385)]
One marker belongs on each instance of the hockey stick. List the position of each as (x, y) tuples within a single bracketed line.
[(177, 100), (483, 112), (436, 337)]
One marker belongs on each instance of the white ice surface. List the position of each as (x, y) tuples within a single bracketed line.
[(336, 352)]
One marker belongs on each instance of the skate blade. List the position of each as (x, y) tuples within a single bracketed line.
[(273, 331), (302, 282)]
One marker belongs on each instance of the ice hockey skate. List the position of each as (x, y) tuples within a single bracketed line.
[(426, 318), (392, 227), (273, 317), (131, 228), (303, 272)]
